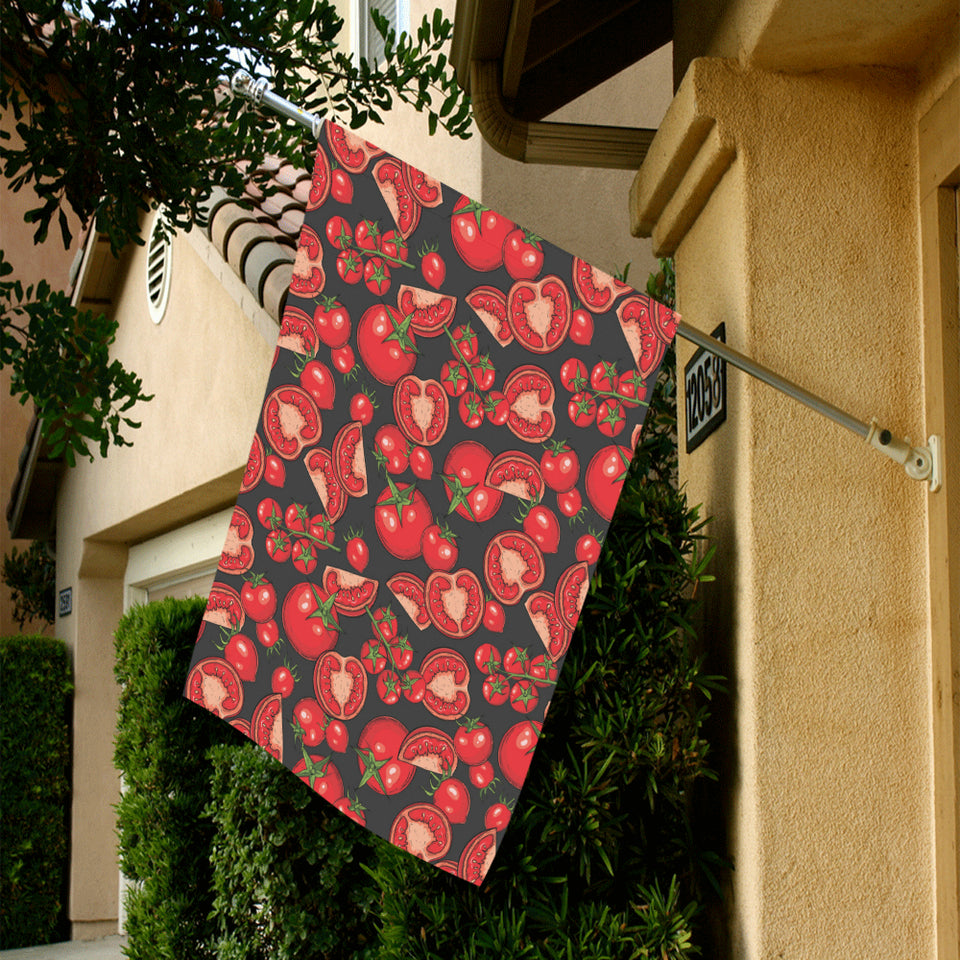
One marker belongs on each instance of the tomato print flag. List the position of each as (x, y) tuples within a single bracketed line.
[(450, 414)]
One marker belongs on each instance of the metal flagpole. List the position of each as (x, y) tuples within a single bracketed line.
[(920, 463)]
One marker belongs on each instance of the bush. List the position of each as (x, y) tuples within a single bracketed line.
[(286, 873), (231, 856), (35, 691), (161, 746), (599, 860)]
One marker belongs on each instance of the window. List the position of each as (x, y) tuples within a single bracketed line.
[(369, 41), (159, 253)]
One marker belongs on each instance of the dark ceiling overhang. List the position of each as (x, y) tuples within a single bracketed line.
[(521, 60)]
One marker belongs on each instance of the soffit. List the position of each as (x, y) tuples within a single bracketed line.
[(553, 51)]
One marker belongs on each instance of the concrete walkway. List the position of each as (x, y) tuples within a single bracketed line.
[(106, 949)]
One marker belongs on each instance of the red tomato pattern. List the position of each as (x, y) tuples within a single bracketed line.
[(527, 375)]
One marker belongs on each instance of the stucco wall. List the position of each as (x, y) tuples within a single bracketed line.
[(809, 249), (207, 366)]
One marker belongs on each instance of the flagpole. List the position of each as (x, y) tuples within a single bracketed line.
[(919, 462)]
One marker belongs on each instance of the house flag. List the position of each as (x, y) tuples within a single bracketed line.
[(450, 413)]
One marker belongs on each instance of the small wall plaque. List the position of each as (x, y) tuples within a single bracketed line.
[(65, 602), (705, 391)]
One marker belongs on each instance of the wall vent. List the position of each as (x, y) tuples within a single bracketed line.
[(159, 256)]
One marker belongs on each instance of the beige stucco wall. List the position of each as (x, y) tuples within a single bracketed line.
[(207, 365), (809, 250), (31, 262)]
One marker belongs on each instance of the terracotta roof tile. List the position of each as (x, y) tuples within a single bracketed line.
[(258, 235)]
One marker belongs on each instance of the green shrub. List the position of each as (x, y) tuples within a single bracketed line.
[(599, 860), (161, 746), (35, 691), (287, 875)]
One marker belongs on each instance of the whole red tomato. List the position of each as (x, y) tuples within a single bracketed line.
[(310, 620), (487, 656), (603, 377), (352, 808), (373, 655), (349, 266), (368, 235), (604, 477), (376, 275), (454, 377), (401, 515), (610, 417), (274, 472), (421, 463), (464, 342), (496, 689), (494, 617), (453, 798), (339, 233), (341, 186), (464, 472), (269, 513), (343, 359), (588, 548), (470, 408), (304, 555), (523, 254), (439, 546), (388, 687), (259, 598), (361, 408), (387, 344), (241, 654), (322, 775), (573, 375), (497, 817), (483, 372), (392, 445), (433, 268), (378, 750), (317, 380), (400, 652), (516, 750), (581, 327), (478, 234), (481, 776), (497, 407), (282, 681), (385, 623), (542, 525), (393, 245), (414, 686), (560, 467), (279, 545), (312, 720), (338, 739), (268, 633), (570, 503), (332, 322), (582, 409), (473, 742), (358, 553)]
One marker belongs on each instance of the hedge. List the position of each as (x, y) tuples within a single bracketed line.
[(35, 700), (161, 747), (287, 874)]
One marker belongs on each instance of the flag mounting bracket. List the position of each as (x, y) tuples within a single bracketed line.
[(919, 462)]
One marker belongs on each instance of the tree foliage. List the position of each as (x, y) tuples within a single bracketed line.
[(31, 575), (120, 106)]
